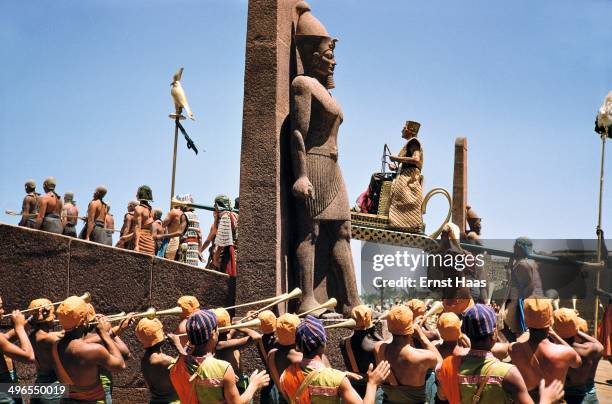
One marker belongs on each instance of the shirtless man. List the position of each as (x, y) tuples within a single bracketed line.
[(216, 379), (29, 207), (70, 215), (154, 363), (9, 352), (94, 229), (283, 354), (49, 209), (188, 304), (42, 338), (127, 229), (580, 382), (77, 361), (326, 384), (175, 223), (109, 225), (538, 358), (358, 349), (229, 345), (410, 366), (449, 327), (460, 376), (157, 228), (143, 220), (106, 377)]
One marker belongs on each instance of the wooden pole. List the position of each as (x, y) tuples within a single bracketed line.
[(599, 238), (174, 161)]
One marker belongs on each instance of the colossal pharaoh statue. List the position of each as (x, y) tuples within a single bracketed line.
[(321, 197)]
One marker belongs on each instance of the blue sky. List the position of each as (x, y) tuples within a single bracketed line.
[(86, 89)]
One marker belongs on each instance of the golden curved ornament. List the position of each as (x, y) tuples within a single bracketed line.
[(426, 199)]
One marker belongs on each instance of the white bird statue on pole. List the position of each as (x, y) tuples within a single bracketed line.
[(179, 97)]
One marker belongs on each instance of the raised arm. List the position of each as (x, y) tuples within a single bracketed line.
[(24, 352), (109, 357)]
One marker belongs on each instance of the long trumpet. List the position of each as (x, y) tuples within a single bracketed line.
[(436, 308), (262, 301), (330, 304), (350, 323), (295, 293), (151, 313), (85, 296), (256, 323)]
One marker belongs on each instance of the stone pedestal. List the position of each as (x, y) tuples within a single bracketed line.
[(265, 228)]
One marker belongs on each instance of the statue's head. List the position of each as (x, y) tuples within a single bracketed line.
[(410, 129), (316, 46)]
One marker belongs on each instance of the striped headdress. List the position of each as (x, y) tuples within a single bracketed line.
[(310, 335), (478, 321), (200, 326)]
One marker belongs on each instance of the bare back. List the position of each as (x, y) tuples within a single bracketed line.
[(71, 213), (174, 220), (53, 204), (42, 343), (97, 209), (409, 365), (546, 361), (154, 367), (109, 222), (143, 215)]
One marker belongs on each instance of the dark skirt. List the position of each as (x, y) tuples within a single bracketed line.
[(52, 223), (70, 230), (98, 234)]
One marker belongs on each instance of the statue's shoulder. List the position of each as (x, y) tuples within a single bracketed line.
[(303, 83)]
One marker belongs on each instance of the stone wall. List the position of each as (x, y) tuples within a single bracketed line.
[(38, 264)]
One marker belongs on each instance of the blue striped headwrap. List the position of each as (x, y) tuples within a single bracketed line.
[(478, 321), (310, 334), (200, 326)]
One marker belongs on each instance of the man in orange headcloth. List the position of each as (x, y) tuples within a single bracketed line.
[(229, 344), (188, 304), (78, 362), (410, 367), (264, 345), (154, 363), (538, 358), (284, 353), (580, 382), (310, 381), (449, 327), (42, 338), (419, 309), (358, 349), (201, 378), (9, 351), (106, 377)]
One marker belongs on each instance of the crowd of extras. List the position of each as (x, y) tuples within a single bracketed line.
[(428, 356), (176, 237)]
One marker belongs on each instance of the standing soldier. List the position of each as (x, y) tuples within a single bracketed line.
[(29, 207), (94, 229), (70, 215), (143, 221), (49, 209), (109, 225), (126, 236)]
